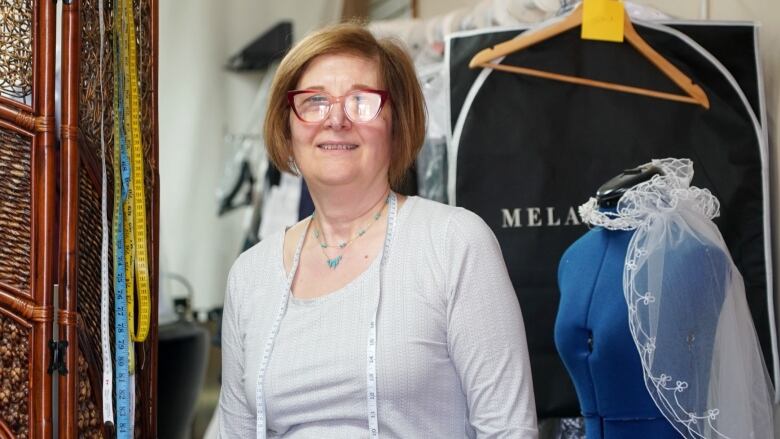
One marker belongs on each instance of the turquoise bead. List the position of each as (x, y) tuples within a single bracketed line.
[(334, 262)]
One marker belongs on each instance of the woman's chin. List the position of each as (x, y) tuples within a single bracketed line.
[(336, 177)]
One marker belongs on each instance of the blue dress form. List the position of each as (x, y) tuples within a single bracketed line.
[(593, 337)]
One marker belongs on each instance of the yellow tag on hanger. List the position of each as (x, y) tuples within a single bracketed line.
[(602, 20)]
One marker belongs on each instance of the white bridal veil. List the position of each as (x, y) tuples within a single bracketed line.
[(687, 310)]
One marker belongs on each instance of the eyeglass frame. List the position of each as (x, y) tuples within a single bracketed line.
[(384, 97)]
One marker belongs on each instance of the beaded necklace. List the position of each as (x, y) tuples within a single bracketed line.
[(333, 262)]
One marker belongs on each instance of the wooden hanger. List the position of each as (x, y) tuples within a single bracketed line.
[(694, 93)]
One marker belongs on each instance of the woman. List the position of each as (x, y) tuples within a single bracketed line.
[(379, 315)]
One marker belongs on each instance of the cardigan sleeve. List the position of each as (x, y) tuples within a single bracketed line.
[(236, 419), (485, 333)]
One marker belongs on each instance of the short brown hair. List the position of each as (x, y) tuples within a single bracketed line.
[(397, 74)]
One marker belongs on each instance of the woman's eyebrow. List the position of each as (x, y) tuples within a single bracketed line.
[(354, 87)]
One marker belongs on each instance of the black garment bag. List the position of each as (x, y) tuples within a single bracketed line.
[(525, 152)]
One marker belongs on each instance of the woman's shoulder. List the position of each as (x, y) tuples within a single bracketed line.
[(430, 210), (261, 257), (446, 218)]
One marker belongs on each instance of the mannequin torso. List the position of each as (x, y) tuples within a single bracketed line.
[(593, 338)]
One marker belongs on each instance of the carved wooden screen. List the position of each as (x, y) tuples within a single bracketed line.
[(50, 217), (83, 106), (27, 215)]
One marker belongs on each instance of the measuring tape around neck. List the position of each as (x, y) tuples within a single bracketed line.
[(372, 413), (269, 342), (371, 375)]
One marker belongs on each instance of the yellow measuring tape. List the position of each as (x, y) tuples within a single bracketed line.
[(135, 210), (128, 206)]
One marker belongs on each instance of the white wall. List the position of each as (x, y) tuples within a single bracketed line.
[(191, 105), (432, 8), (199, 103)]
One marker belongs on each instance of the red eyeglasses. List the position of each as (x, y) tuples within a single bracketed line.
[(360, 105)]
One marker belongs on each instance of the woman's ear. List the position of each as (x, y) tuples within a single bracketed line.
[(293, 165)]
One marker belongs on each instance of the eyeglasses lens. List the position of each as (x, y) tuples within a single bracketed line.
[(359, 106)]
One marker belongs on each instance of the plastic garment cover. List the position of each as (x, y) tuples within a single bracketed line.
[(247, 163), (432, 159), (687, 310)]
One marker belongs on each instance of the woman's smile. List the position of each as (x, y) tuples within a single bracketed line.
[(337, 146)]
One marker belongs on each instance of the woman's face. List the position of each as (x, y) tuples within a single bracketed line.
[(337, 151)]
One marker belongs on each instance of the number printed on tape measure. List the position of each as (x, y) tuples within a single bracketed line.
[(121, 189), (105, 343), (139, 199)]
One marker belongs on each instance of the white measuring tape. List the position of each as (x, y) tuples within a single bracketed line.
[(371, 388), (105, 343), (269, 342)]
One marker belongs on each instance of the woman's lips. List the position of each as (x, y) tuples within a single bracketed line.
[(337, 146)]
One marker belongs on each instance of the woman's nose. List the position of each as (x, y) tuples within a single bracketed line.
[(337, 119)]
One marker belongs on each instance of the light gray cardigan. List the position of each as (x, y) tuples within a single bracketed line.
[(452, 359)]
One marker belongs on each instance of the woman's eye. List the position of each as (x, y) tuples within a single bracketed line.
[(316, 99)]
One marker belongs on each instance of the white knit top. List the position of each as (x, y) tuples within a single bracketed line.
[(452, 360)]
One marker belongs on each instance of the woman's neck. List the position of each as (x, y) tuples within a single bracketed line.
[(341, 213)]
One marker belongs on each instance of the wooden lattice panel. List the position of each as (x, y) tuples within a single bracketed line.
[(16, 48), (89, 244), (89, 305), (15, 215), (14, 377), (93, 105), (90, 99), (89, 424), (146, 11), (146, 72)]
